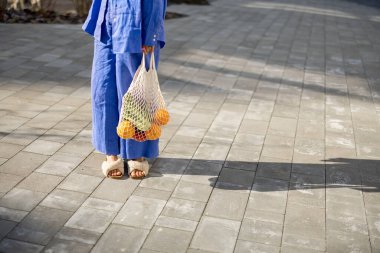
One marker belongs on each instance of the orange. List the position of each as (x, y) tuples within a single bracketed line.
[(153, 132), (161, 117), (125, 129), (139, 135)]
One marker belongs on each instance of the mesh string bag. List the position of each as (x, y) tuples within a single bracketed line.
[(143, 111)]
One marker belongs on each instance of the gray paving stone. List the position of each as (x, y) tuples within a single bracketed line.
[(373, 224), (21, 199), (191, 131), (12, 214), (152, 193), (274, 168), (91, 219), (192, 191), (43, 147), (59, 245), (147, 251), (123, 239), (77, 147), (8, 245), (247, 246), (227, 204), (60, 164), (261, 232), (295, 249), (23, 135), (235, 178), (59, 136), (212, 152), (309, 168), (268, 195), (140, 212), (176, 223), (182, 208), (23, 163), (178, 147), (78, 235), (46, 183), (159, 236), (201, 172), (244, 158), (303, 242), (115, 190), (169, 166), (282, 126), (64, 199), (5, 227), (253, 126), (266, 216), (40, 225), (159, 182), (7, 150), (308, 195), (8, 181), (343, 242), (312, 223), (73, 182), (215, 234), (102, 204)]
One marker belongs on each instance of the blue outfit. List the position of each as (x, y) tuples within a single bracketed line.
[(120, 28)]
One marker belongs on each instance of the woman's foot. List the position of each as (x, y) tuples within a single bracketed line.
[(113, 173), (138, 173)]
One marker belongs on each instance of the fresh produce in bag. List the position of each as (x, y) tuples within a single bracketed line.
[(143, 111)]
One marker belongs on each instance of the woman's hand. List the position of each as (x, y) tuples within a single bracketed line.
[(147, 49)]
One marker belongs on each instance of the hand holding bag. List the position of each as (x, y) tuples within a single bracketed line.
[(143, 110)]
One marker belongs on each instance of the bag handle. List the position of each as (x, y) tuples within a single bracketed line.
[(152, 64)]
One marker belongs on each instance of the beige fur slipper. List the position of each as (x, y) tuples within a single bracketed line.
[(117, 165)]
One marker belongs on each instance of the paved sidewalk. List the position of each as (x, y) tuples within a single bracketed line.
[(274, 143)]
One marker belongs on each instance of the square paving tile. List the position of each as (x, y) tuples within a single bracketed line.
[(21, 199), (64, 199), (8, 245), (140, 212), (124, 239), (59, 245), (228, 204), (40, 225), (215, 234), (261, 232), (115, 190), (73, 182), (46, 183), (43, 147), (91, 219), (159, 237), (78, 235), (5, 227), (182, 208), (23, 163), (192, 191)]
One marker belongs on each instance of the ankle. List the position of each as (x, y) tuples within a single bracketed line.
[(111, 158)]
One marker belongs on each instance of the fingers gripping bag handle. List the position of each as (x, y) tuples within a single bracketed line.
[(143, 110)]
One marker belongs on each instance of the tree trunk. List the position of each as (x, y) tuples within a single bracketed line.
[(3, 7), (82, 7)]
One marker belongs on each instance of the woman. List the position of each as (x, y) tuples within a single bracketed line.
[(122, 30)]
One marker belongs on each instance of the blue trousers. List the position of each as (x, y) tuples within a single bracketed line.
[(111, 76)]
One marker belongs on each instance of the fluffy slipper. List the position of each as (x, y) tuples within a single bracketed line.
[(136, 165), (117, 165)]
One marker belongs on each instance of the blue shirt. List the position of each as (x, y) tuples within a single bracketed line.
[(134, 23)]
